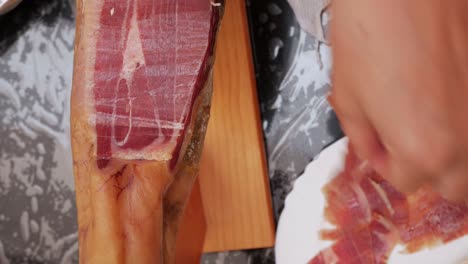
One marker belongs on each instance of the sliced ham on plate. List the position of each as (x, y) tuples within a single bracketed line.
[(371, 217), (341, 211)]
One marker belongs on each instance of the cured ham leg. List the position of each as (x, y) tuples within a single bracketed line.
[(139, 109)]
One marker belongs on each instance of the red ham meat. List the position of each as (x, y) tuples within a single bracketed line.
[(433, 220), (371, 217), (140, 105), (151, 61), (370, 243)]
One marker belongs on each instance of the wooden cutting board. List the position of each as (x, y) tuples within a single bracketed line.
[(233, 174)]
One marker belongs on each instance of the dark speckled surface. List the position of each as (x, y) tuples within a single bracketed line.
[(37, 208)]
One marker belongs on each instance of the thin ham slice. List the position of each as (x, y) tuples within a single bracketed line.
[(140, 105), (367, 244), (432, 221), (371, 217)]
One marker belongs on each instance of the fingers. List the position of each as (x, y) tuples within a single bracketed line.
[(453, 183), (403, 174), (359, 130), (402, 113), (393, 161), (368, 146)]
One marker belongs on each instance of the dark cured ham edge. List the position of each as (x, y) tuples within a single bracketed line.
[(420, 220), (202, 79)]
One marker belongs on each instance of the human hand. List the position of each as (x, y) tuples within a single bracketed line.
[(401, 89)]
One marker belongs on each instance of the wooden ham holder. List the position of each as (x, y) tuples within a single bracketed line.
[(130, 197), (189, 245), (233, 176)]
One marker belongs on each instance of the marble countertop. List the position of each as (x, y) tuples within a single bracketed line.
[(37, 207)]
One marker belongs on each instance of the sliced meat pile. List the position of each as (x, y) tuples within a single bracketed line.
[(371, 217)]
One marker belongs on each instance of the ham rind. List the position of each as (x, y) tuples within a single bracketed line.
[(384, 218), (140, 105)]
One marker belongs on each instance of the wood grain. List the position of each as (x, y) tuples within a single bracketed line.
[(192, 230), (233, 176)]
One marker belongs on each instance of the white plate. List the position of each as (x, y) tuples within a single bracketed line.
[(297, 239)]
